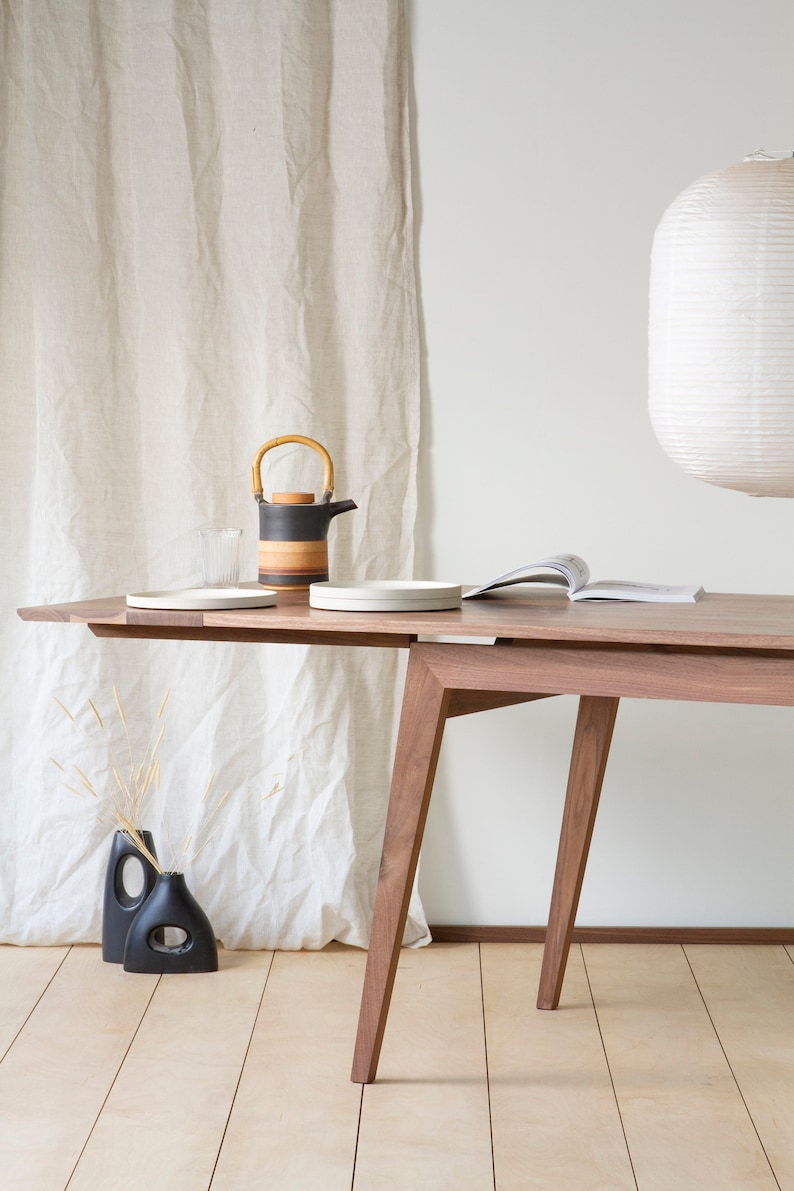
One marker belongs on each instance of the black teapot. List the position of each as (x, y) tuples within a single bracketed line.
[(293, 527)]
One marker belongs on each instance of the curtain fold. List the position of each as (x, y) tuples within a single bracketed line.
[(205, 242)]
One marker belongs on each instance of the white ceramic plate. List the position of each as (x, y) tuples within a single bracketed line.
[(202, 598), (384, 595)]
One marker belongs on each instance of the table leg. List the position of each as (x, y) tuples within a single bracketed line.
[(424, 710), (593, 735)]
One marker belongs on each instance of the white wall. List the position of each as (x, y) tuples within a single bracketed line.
[(550, 136)]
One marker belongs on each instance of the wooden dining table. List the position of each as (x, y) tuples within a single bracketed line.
[(509, 647)]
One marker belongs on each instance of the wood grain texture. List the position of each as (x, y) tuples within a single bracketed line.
[(712, 935), (113, 608), (555, 1120), (57, 1074), (424, 1124), (184, 1065), (624, 672), (416, 757), (685, 1120), (295, 1117), (25, 973), (157, 618), (468, 702), (594, 726), (164, 632), (747, 622), (749, 994)]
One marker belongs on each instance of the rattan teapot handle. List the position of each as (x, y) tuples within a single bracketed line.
[(328, 467)]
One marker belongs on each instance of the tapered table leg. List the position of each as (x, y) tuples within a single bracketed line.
[(594, 726), (425, 703)]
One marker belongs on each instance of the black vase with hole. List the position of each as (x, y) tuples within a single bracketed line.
[(171, 932), (124, 897)]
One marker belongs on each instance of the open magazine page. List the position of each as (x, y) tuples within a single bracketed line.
[(572, 572), (617, 589), (562, 570)]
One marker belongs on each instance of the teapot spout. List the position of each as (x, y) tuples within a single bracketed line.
[(341, 506)]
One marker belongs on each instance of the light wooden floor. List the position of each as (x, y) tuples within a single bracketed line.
[(666, 1068)]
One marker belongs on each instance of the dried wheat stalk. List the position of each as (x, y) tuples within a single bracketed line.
[(132, 782)]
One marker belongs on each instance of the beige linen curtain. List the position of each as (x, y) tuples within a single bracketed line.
[(205, 242)]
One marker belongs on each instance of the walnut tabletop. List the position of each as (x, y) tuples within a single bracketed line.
[(753, 622), (509, 647)]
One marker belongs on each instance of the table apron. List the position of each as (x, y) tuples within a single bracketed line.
[(623, 672), (165, 632)]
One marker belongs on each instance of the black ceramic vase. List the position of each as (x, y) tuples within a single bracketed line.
[(171, 909), (119, 907)]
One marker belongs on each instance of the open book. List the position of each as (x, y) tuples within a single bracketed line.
[(572, 572)]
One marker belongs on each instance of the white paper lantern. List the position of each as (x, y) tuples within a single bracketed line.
[(721, 328)]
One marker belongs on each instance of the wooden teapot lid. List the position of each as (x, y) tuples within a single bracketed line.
[(293, 498)]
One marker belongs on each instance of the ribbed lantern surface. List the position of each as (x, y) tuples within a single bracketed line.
[(721, 328)]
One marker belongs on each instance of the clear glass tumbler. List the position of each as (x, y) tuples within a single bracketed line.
[(220, 557)]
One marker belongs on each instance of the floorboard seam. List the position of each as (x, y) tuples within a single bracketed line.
[(111, 1086), (36, 1004), (487, 1071), (730, 1067), (242, 1069), (358, 1137), (609, 1069)]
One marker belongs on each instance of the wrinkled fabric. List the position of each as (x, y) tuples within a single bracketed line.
[(205, 242)]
